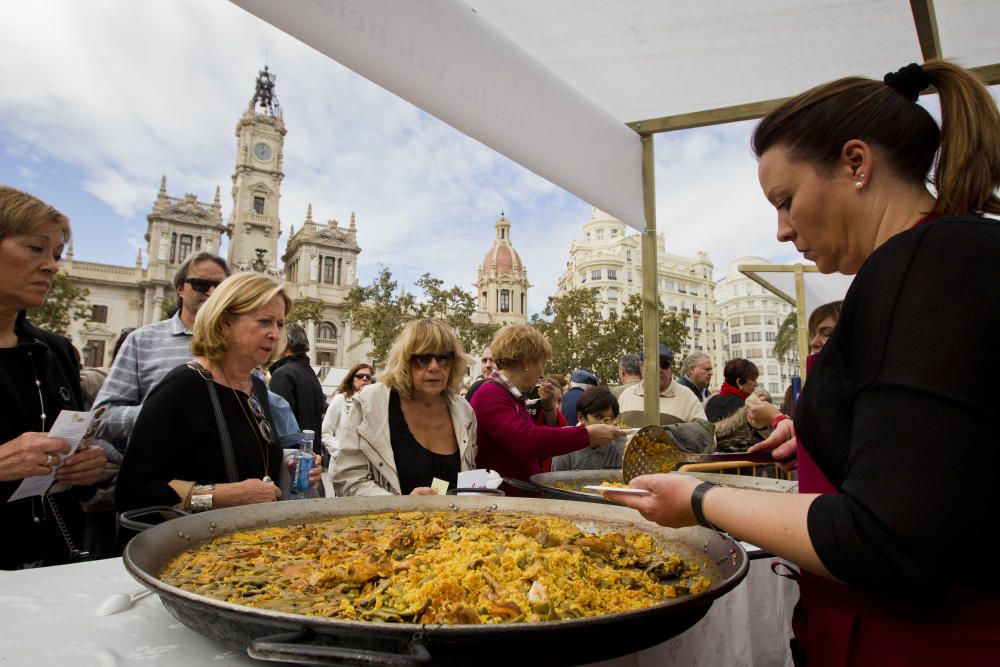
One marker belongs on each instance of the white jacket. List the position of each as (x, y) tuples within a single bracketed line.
[(335, 415), (365, 465)]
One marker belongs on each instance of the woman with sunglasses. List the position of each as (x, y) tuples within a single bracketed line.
[(413, 426), (359, 377), (175, 455)]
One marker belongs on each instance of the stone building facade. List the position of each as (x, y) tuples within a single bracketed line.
[(610, 260), (751, 316), (320, 260)]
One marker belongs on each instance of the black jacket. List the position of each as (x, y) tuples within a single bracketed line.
[(49, 357), (293, 379)]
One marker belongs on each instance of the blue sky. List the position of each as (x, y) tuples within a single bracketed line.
[(102, 98)]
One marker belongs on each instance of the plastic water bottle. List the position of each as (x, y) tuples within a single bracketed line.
[(301, 487)]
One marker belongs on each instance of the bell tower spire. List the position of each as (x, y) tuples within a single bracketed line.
[(254, 224)]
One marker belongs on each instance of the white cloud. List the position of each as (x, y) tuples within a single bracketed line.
[(124, 92)]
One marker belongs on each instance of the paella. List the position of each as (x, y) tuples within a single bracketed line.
[(473, 567)]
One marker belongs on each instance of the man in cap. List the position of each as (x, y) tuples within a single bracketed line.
[(578, 383), (680, 409)]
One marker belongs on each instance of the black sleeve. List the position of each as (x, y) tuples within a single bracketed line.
[(171, 436), (918, 500), (283, 384)]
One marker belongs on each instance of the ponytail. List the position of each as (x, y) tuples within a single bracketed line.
[(815, 125), (967, 172)]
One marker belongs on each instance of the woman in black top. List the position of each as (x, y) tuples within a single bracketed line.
[(895, 496), (412, 426), (175, 456), (727, 408), (39, 377)]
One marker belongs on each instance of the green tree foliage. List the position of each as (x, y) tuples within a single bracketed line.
[(379, 312), (381, 309), (457, 307), (627, 332), (581, 338), (786, 341), (64, 304), (167, 306), (305, 309), (574, 329)]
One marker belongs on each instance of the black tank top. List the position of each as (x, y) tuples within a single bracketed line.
[(416, 464)]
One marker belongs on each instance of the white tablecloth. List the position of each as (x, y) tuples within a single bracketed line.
[(48, 618)]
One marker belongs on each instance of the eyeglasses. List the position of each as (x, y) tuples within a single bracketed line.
[(424, 360), (364, 376), (202, 285), (487, 360), (263, 425)]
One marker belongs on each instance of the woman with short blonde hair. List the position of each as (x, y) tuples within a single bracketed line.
[(412, 427), (177, 454), (511, 441), (240, 294)]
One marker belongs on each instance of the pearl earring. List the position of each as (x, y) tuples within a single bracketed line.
[(860, 183)]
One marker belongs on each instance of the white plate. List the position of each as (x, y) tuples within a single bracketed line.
[(618, 489)]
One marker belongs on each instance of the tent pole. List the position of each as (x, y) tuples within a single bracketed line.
[(650, 301), (800, 316)]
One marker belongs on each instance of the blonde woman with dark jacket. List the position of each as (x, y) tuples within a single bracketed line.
[(412, 426)]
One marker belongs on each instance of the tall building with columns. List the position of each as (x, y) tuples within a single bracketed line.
[(751, 316), (609, 259), (502, 282), (321, 263), (254, 225), (320, 260)]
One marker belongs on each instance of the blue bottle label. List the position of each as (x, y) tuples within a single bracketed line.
[(302, 468)]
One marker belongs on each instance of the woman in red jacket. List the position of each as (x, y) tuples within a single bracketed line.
[(510, 441)]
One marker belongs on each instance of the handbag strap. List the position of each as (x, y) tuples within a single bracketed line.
[(220, 421)]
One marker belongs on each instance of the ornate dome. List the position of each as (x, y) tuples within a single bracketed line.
[(502, 253)]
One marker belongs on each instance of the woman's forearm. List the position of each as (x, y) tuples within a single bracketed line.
[(774, 522)]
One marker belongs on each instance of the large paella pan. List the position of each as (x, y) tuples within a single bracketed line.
[(316, 640)]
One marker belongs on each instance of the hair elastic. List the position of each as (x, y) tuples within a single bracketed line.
[(908, 81)]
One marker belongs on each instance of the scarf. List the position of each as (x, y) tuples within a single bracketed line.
[(732, 390)]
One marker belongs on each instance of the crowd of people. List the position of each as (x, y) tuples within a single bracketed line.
[(189, 420)]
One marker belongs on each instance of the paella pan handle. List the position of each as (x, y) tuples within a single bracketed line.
[(524, 486), (127, 519), (291, 647), (476, 492)]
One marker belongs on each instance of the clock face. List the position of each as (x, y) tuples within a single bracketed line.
[(262, 152)]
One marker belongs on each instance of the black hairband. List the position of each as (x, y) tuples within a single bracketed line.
[(908, 81)]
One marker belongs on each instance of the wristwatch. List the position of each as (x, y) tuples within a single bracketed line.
[(200, 501)]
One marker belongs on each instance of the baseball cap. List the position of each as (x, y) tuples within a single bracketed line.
[(584, 377), (666, 355)]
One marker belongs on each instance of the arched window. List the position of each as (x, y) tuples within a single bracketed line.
[(504, 301), (326, 331)]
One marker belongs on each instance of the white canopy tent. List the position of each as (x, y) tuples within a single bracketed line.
[(575, 89)]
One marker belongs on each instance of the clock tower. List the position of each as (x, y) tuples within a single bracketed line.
[(254, 224)]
